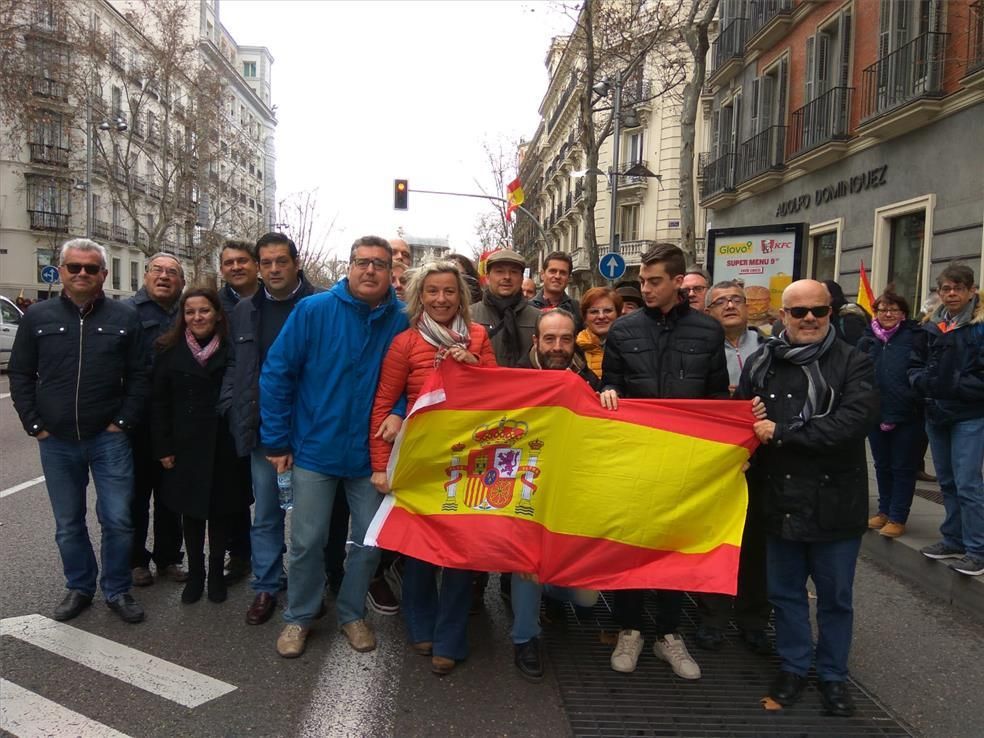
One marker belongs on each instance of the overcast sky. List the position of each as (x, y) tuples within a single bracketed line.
[(370, 91)]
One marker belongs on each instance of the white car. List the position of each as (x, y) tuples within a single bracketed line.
[(10, 316)]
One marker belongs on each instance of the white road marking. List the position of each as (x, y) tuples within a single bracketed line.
[(22, 485), (28, 715), (4, 396), (160, 677)]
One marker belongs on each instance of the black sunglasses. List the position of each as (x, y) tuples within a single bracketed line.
[(819, 311), (89, 268)]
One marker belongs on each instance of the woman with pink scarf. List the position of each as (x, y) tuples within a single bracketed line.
[(890, 341), (204, 480)]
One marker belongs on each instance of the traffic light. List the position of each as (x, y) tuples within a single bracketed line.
[(400, 194)]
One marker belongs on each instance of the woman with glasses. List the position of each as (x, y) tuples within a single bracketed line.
[(204, 479), (600, 306), (890, 340), (440, 329)]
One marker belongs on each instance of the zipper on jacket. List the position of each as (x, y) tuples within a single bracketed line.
[(78, 379)]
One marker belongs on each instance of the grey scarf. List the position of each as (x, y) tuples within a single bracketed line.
[(806, 356)]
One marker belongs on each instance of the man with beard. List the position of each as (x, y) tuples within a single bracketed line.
[(503, 311), (157, 305)]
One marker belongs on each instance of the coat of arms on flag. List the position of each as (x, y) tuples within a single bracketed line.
[(491, 471)]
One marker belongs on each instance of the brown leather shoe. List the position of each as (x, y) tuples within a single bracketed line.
[(360, 635), (422, 648), (892, 530), (441, 666), (292, 640), (174, 572), (877, 522), (142, 576), (262, 608)]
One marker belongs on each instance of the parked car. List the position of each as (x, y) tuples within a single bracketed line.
[(10, 316)]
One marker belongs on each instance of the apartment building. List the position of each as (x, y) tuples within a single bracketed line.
[(859, 118), (114, 144), (552, 165)]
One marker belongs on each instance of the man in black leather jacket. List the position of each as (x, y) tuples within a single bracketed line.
[(665, 350)]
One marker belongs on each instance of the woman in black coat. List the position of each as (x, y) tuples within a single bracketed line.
[(204, 480), (892, 341)]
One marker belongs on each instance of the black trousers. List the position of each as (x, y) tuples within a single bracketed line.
[(239, 545), (218, 538), (629, 610), (750, 608), (167, 524)]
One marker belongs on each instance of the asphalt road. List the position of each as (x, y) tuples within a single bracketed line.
[(921, 659)]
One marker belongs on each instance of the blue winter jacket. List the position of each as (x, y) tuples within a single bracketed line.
[(900, 403), (319, 380)]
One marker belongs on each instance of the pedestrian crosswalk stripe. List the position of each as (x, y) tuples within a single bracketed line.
[(22, 485), (28, 715), (152, 674)]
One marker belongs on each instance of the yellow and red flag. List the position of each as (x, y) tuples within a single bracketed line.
[(515, 197), (866, 298), (523, 471)]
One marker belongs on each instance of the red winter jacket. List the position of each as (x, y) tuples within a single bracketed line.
[(408, 364)]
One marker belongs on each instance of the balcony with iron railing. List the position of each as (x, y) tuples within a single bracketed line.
[(763, 152), (138, 183), (42, 153), (100, 229), (47, 21), (140, 239), (121, 233), (50, 88), (823, 120), (43, 220), (632, 181), (769, 21), (911, 73), (727, 52), (116, 58), (579, 257), (578, 191), (631, 250), (975, 38), (717, 176)]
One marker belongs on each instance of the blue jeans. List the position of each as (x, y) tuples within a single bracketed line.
[(266, 535), (958, 454), (314, 498), (439, 618), (896, 454), (526, 605), (66, 466), (831, 565)]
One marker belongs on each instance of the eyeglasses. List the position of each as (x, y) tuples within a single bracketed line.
[(601, 311), (91, 269), (158, 269), (888, 311), (946, 289), (819, 311), (736, 300), (698, 290), (379, 265)]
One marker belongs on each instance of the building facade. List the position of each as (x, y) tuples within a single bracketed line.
[(115, 145), (856, 118)]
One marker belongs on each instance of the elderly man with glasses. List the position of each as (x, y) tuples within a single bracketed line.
[(809, 482), (695, 284), (78, 379), (316, 392)]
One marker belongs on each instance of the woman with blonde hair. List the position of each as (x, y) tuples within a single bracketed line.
[(440, 329)]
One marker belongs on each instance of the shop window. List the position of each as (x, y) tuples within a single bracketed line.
[(905, 256)]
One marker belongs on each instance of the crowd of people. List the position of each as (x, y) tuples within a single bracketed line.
[(196, 404)]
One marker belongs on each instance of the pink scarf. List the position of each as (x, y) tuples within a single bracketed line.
[(883, 334), (201, 353)]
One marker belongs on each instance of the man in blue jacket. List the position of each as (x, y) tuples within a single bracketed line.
[(316, 393)]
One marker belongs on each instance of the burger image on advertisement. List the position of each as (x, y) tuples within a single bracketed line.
[(757, 298)]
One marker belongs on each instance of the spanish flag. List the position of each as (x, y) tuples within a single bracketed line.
[(866, 298), (515, 197), (523, 471)]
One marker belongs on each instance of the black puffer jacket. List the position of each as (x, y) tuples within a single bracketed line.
[(72, 373), (679, 355), (239, 400), (812, 483), (900, 403), (540, 302)]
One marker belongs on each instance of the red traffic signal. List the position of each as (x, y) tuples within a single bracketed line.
[(400, 194)]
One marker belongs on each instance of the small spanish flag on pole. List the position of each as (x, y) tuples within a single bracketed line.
[(866, 298), (515, 196)]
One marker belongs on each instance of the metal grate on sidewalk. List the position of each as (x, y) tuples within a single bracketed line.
[(654, 702)]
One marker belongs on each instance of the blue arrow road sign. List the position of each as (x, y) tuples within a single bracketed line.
[(611, 266), (49, 274)]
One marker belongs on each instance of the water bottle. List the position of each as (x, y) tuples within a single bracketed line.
[(285, 489)]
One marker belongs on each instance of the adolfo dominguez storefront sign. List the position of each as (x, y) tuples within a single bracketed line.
[(866, 180)]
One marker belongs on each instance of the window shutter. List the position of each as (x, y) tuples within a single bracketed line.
[(822, 78), (726, 129), (811, 43), (756, 83), (766, 116), (783, 81), (844, 33), (715, 132)]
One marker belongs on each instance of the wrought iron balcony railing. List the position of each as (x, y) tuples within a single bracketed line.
[(762, 12), (43, 220), (100, 229), (49, 154), (761, 153), (912, 71), (717, 176), (822, 120), (730, 43)]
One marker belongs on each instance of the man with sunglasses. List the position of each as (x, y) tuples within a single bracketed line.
[(316, 391), (79, 381), (809, 482), (157, 305)]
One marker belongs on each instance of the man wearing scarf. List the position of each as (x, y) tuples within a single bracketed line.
[(950, 375), (809, 481), (504, 312)]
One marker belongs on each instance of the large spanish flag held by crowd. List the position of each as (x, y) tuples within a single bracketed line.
[(523, 471)]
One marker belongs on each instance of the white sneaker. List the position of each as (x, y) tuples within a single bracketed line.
[(627, 651), (673, 650)]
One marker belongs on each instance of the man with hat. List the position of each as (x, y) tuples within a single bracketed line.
[(631, 296), (505, 313)]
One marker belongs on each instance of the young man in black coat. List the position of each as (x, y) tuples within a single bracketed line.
[(811, 476), (665, 350)]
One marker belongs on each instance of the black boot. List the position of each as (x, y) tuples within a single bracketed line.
[(216, 579), (195, 585)]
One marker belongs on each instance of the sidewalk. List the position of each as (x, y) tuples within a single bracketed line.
[(901, 555)]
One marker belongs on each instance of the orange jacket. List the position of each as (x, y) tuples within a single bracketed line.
[(408, 364)]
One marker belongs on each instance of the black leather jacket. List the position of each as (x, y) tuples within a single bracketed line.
[(73, 373)]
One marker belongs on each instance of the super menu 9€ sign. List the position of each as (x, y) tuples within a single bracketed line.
[(765, 257)]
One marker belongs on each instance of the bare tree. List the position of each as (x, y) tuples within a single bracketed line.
[(636, 42), (694, 32), (299, 217), (493, 226)]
